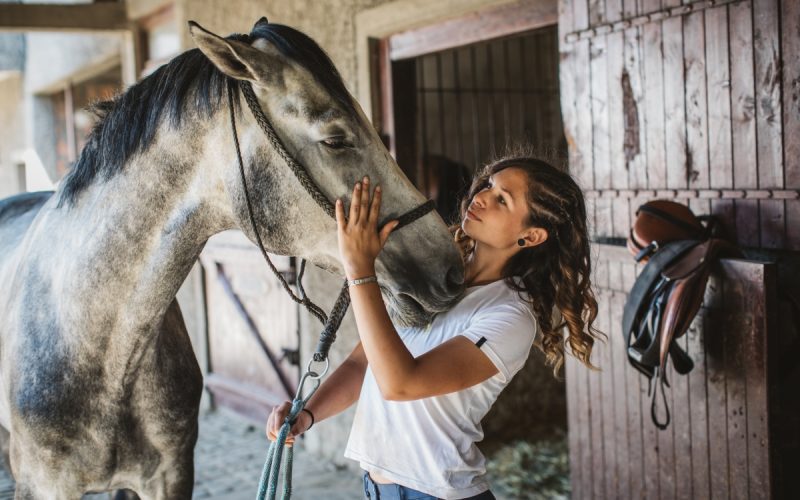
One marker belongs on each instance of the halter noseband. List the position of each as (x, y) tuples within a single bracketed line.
[(332, 322)]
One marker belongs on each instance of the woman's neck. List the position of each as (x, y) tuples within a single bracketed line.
[(484, 265)]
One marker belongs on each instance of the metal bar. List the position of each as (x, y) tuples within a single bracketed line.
[(422, 176), (490, 121), (507, 100), (523, 69), (251, 326), (727, 194), (650, 17), (459, 116), (475, 132), (442, 134)]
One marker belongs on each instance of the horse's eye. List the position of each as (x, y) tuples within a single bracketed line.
[(335, 143)]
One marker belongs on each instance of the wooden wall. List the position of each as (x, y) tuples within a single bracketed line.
[(697, 103)]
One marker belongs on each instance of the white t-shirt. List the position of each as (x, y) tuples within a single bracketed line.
[(429, 444)]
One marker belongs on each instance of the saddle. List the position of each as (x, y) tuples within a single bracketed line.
[(679, 251)]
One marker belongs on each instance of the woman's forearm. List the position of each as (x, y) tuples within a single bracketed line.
[(338, 392), (391, 361)]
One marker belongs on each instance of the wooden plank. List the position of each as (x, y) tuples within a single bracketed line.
[(737, 321), (572, 381), (615, 62), (745, 169), (633, 380), (601, 416), (717, 401), (674, 110), (621, 395), (582, 154), (790, 55), (475, 27), (753, 284), (681, 424), (654, 106), (597, 12), (600, 137), (694, 61), (634, 109), (769, 118), (666, 439), (105, 16), (567, 78), (586, 444), (608, 478), (719, 98), (697, 406)]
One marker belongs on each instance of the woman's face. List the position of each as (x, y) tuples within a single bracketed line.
[(497, 214)]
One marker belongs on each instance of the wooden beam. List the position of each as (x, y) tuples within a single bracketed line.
[(104, 16), (472, 28)]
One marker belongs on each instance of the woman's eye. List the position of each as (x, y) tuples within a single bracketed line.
[(502, 200), (335, 143)]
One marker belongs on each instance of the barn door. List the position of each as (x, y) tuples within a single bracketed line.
[(689, 101), (253, 334), (464, 89)]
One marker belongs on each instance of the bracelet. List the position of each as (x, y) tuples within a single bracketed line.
[(312, 418), (362, 281)]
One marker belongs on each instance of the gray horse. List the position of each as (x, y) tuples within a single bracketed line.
[(99, 386)]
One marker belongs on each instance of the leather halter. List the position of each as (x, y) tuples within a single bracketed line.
[(333, 321)]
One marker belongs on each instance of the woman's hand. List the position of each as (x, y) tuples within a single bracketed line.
[(276, 418), (359, 239)]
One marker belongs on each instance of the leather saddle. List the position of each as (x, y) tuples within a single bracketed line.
[(668, 292)]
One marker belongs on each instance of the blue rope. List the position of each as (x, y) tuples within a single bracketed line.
[(268, 485)]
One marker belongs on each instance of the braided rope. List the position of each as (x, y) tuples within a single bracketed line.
[(269, 476), (277, 145), (304, 300)]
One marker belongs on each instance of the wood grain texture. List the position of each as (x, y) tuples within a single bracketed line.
[(674, 107)]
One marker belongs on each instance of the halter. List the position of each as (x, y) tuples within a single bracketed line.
[(331, 323)]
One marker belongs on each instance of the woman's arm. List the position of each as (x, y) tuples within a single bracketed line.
[(337, 393), (453, 366)]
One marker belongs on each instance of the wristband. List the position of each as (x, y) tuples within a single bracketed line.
[(361, 281), (312, 418)]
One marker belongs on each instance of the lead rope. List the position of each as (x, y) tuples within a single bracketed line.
[(270, 474)]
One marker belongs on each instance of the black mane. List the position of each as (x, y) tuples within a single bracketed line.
[(127, 123)]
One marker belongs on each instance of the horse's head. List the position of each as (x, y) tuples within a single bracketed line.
[(325, 131)]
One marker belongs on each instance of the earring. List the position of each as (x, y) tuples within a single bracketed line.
[(521, 242)]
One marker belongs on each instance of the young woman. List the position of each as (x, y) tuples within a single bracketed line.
[(422, 392)]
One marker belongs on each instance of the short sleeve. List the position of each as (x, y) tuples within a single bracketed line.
[(505, 333)]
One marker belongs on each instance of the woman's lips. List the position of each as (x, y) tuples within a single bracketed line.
[(471, 215)]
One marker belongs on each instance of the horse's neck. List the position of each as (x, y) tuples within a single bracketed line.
[(128, 243)]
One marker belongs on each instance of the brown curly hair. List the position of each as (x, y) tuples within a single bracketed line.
[(555, 275)]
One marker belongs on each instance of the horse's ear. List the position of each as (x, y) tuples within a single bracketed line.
[(235, 59), (261, 22)]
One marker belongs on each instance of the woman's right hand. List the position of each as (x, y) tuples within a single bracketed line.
[(276, 418)]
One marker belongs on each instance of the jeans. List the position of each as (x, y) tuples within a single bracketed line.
[(392, 491)]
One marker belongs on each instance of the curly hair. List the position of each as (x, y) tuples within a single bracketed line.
[(555, 275)]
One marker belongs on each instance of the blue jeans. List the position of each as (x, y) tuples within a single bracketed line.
[(392, 491)]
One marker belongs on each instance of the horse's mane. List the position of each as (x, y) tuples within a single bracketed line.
[(127, 124)]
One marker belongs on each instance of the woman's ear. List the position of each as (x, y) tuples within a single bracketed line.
[(535, 236)]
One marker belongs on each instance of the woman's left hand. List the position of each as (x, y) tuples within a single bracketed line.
[(359, 239)]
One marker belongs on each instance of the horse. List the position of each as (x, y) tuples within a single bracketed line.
[(99, 385)]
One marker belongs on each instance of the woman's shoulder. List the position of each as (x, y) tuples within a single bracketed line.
[(502, 298)]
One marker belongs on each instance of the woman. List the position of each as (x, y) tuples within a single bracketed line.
[(422, 392)]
